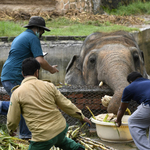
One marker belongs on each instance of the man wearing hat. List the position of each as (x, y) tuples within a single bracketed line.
[(26, 45)]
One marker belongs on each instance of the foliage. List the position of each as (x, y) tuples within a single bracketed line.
[(135, 8), (11, 143)]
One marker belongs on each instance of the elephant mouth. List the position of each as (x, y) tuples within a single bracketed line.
[(103, 85)]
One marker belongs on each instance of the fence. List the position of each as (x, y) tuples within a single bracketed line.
[(81, 96)]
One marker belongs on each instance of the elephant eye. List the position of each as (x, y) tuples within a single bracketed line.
[(136, 56), (136, 60), (92, 60)]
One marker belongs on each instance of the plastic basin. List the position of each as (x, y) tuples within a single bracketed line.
[(109, 132)]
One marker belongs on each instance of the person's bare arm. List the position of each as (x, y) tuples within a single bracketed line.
[(121, 111), (46, 66)]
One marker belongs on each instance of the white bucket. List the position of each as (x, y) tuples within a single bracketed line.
[(109, 132)]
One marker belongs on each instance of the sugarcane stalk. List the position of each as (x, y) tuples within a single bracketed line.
[(69, 133), (75, 132), (73, 126), (85, 145), (117, 129), (83, 134), (105, 119), (91, 112), (83, 125), (8, 142), (88, 143), (96, 142)]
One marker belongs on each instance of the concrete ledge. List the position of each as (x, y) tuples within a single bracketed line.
[(48, 38)]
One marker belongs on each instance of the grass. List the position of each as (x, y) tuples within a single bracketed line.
[(63, 27), (74, 28), (132, 9), (66, 27), (82, 30), (10, 28)]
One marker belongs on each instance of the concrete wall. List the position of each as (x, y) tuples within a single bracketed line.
[(61, 51), (143, 40)]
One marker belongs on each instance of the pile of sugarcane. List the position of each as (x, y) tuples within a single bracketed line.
[(75, 133), (12, 143)]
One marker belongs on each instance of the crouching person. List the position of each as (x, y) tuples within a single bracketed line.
[(38, 101)]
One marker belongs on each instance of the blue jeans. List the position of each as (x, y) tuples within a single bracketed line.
[(4, 105)]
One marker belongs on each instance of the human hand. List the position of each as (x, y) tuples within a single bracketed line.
[(87, 120), (11, 133), (54, 69), (118, 123)]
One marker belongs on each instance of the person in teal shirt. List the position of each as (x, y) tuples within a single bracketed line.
[(25, 45)]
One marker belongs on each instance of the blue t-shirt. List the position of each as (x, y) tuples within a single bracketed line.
[(138, 90), (27, 44)]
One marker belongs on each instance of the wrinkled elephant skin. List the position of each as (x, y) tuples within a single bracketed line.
[(107, 57)]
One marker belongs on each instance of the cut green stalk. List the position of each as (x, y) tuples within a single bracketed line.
[(105, 119), (117, 129), (91, 112), (12, 143)]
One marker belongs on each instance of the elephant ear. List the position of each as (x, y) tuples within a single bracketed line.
[(73, 72), (74, 60), (142, 54)]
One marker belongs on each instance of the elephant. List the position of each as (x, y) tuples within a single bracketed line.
[(107, 57)]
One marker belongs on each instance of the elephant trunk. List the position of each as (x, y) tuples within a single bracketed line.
[(115, 102), (116, 78), (118, 84)]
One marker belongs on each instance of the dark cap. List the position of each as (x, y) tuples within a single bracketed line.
[(37, 22)]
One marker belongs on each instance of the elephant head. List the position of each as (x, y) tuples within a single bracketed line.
[(107, 57)]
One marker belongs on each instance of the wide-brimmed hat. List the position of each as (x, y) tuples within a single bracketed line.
[(37, 22)]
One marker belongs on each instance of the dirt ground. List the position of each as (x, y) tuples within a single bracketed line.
[(20, 14)]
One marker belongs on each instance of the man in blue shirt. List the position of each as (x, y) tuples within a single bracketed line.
[(139, 91), (26, 45)]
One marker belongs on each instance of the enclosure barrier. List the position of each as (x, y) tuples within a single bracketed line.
[(81, 96)]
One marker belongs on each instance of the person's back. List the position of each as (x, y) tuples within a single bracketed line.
[(39, 103), (39, 109), (26, 45), (138, 90)]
